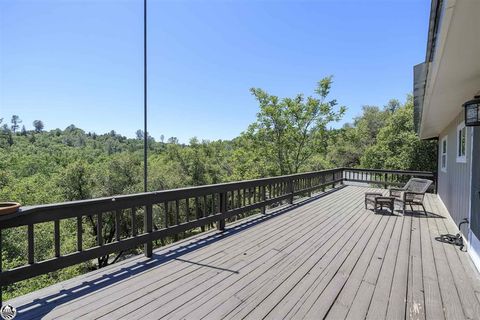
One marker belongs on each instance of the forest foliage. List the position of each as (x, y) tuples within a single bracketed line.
[(289, 135)]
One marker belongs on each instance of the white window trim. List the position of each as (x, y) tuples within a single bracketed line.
[(444, 168), (461, 159)]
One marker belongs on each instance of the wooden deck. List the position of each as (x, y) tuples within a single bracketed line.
[(327, 258)]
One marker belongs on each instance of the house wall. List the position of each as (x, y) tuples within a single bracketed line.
[(454, 184)]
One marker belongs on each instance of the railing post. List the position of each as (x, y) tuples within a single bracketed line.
[(56, 236), (79, 234), (385, 185), (309, 184), (198, 215), (31, 244), (291, 190), (264, 198), (148, 227), (223, 209)]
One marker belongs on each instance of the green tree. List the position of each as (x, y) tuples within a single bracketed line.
[(23, 132), (398, 146), (369, 124), (38, 126), (288, 132), (139, 134), (76, 181), (345, 147), (15, 121)]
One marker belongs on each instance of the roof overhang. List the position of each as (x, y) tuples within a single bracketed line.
[(419, 83), (453, 75)]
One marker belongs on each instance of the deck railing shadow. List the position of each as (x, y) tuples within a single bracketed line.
[(42, 306), (409, 213)]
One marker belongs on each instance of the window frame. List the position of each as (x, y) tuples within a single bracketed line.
[(461, 158), (444, 152)]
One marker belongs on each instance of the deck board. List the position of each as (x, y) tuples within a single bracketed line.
[(325, 258), (431, 294), (345, 298), (451, 300), (415, 296)]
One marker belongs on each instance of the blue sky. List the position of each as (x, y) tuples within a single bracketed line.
[(80, 62)]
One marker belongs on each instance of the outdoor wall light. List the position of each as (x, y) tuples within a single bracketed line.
[(472, 112)]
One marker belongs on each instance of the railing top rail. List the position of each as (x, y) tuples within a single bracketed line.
[(92, 206), (147, 198), (405, 172)]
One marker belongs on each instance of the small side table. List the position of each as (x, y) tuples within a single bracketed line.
[(379, 201), (370, 198)]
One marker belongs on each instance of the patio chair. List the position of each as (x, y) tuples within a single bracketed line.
[(412, 193)]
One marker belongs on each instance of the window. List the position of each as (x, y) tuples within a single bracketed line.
[(461, 142), (443, 159)]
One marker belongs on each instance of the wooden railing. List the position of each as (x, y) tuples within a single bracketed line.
[(183, 209), (387, 178), (191, 208)]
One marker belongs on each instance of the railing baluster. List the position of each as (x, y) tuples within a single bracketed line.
[(205, 209), (99, 229), (79, 233), (197, 209), (198, 212), (31, 244), (177, 217), (134, 222), (165, 212), (148, 228), (187, 209), (228, 201), (223, 209), (264, 198), (239, 199), (212, 203), (56, 235), (177, 212), (117, 225), (291, 190)]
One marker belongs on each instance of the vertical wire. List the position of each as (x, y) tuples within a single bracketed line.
[(145, 132)]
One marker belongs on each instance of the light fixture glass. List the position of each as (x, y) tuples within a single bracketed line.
[(472, 112)]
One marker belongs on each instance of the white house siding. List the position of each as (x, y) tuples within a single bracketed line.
[(454, 184)]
